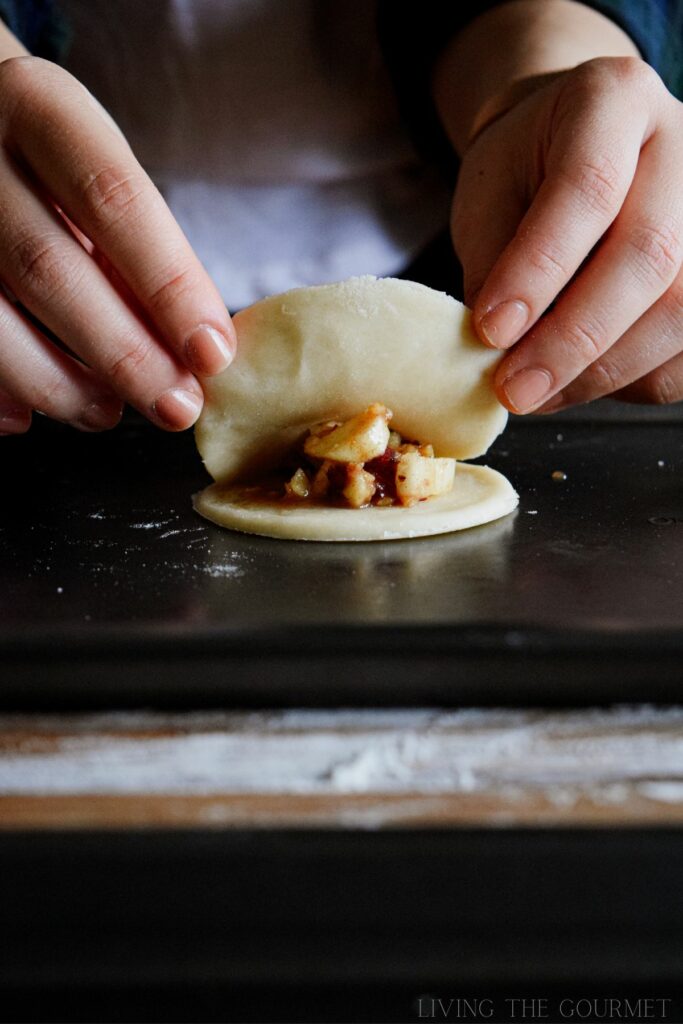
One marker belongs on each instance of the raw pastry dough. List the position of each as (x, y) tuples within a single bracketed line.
[(326, 352), (480, 495)]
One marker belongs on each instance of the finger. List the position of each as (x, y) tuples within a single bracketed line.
[(589, 169), (103, 189), (15, 418), (635, 265), (35, 374), (661, 386), (58, 282), (656, 338)]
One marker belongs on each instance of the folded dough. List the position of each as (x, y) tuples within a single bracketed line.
[(326, 352)]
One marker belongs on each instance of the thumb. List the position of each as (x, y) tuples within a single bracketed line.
[(487, 209), (499, 175)]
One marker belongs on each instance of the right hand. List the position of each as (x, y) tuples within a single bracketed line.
[(90, 249), (568, 219)]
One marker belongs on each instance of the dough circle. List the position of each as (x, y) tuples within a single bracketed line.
[(479, 495), (326, 353)]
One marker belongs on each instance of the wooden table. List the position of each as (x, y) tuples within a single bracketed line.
[(328, 865), (372, 769)]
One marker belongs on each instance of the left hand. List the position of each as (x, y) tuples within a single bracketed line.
[(574, 197)]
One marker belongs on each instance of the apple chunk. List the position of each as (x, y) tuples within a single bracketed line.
[(419, 477), (360, 439), (360, 486)]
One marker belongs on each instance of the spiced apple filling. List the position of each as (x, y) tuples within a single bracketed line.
[(362, 462)]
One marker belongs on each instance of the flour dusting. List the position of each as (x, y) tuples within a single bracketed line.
[(218, 571), (605, 757), (151, 525)]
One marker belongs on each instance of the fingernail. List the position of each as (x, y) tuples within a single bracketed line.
[(527, 388), (207, 350), (177, 409), (100, 415), (505, 323), (555, 403)]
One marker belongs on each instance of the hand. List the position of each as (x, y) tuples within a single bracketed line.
[(574, 196), (89, 248)]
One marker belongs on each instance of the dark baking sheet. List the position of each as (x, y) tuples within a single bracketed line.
[(113, 591)]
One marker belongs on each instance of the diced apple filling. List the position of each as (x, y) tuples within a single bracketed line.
[(360, 439), (419, 477), (299, 486), (360, 486), (361, 462)]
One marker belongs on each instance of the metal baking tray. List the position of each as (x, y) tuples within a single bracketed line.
[(113, 592)]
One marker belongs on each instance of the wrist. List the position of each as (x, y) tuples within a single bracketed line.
[(10, 45)]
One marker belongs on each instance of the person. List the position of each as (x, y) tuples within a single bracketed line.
[(567, 214)]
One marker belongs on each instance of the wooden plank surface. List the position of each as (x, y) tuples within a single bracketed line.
[(345, 769)]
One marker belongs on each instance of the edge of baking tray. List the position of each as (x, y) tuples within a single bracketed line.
[(348, 665)]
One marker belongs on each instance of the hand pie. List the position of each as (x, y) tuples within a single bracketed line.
[(345, 415)]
